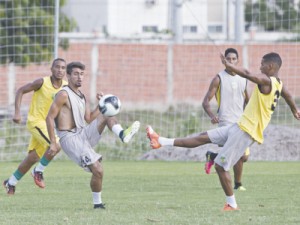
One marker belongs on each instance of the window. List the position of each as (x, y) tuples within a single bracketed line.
[(215, 28), (153, 29), (190, 29)]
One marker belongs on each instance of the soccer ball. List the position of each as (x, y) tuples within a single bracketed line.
[(109, 105)]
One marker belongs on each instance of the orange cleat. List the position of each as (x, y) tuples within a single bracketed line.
[(153, 137), (228, 207), (10, 189), (38, 178)]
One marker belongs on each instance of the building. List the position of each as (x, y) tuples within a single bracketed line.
[(180, 20), (143, 18)]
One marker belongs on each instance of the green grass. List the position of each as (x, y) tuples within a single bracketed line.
[(153, 193)]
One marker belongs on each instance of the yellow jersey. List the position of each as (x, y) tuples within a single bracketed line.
[(41, 101), (259, 110)]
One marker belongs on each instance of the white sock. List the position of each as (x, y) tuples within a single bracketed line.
[(97, 198), (40, 167), (166, 141), (231, 201), (12, 180), (117, 128)]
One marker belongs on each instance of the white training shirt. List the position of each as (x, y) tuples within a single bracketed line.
[(231, 98)]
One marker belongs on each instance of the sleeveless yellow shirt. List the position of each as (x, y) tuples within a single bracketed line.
[(41, 101), (259, 110)]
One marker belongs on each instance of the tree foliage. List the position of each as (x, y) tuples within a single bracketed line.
[(272, 15), (27, 30)]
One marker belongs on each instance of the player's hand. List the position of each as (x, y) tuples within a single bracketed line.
[(54, 149), (99, 95), (214, 120), (223, 59), (17, 118), (297, 115)]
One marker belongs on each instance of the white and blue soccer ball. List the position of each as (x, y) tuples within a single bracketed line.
[(109, 105)]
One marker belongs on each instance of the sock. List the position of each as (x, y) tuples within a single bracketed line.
[(117, 129), (213, 156), (97, 198), (42, 164), (231, 201), (13, 180), (166, 141)]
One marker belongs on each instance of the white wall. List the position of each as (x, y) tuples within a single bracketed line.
[(90, 15), (195, 13), (127, 17)]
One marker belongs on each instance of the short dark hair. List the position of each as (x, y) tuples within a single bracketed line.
[(273, 57), (231, 50), (57, 59), (72, 65)]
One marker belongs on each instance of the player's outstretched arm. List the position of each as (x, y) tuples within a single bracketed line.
[(261, 80), (290, 101)]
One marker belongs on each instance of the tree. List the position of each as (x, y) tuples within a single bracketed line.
[(27, 30), (272, 15)]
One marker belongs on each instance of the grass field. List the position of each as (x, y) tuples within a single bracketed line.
[(153, 193)]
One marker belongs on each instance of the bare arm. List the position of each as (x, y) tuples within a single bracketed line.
[(213, 88), (34, 86), (247, 97), (60, 99), (290, 101), (260, 80), (90, 116)]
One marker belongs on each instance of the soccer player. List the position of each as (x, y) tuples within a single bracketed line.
[(231, 93), (69, 115), (44, 90), (249, 128)]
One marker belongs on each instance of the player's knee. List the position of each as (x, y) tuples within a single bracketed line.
[(97, 170), (203, 138), (245, 158)]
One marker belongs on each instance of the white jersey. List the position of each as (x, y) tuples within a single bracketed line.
[(230, 97), (78, 143)]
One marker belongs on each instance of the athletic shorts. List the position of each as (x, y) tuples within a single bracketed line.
[(234, 142), (78, 145), (247, 151), (39, 140)]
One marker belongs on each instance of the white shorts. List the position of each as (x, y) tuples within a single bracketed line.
[(234, 142), (78, 144)]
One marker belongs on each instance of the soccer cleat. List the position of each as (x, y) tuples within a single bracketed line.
[(209, 162), (227, 207), (38, 178), (130, 132), (240, 188), (10, 189), (153, 137), (99, 206)]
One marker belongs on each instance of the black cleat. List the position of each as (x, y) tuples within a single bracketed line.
[(99, 206)]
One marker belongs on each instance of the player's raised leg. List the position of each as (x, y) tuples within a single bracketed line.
[(124, 134), (153, 137), (127, 134)]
